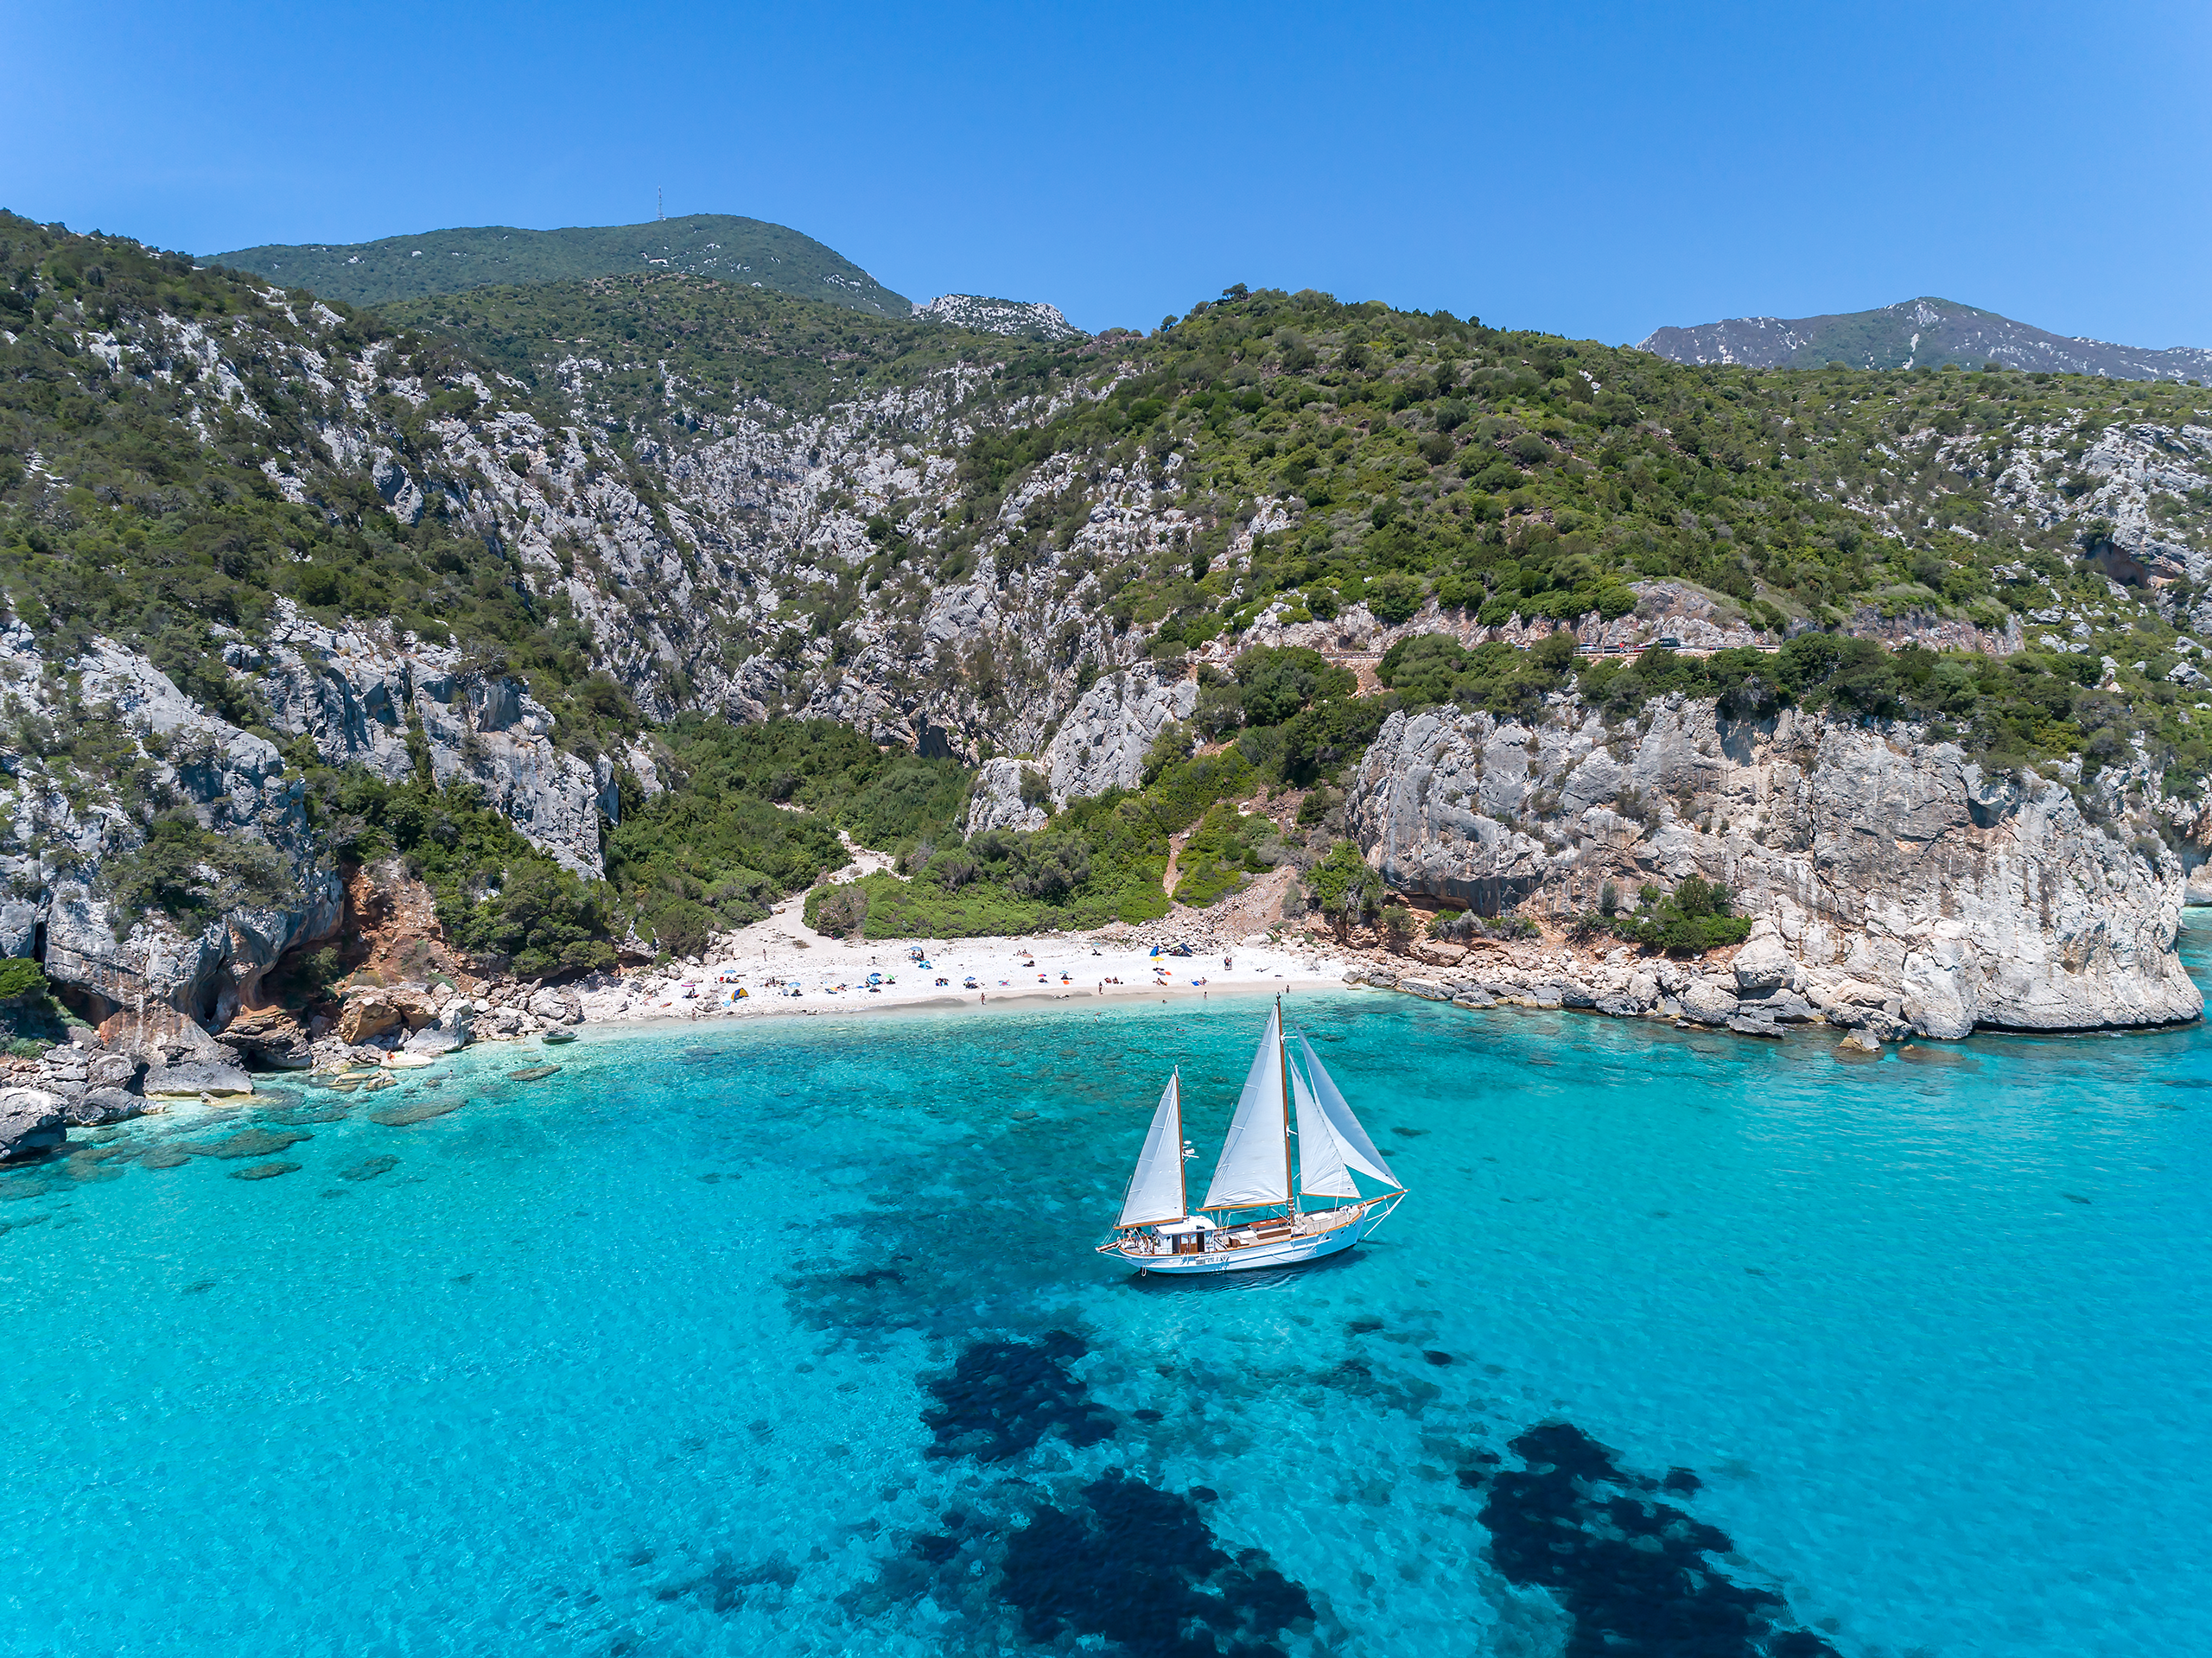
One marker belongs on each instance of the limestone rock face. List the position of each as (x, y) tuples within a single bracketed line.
[(148, 981), (996, 802), (1102, 742), (30, 1123), (1883, 871), (357, 693)]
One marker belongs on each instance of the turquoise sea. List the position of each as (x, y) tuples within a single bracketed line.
[(788, 1338)]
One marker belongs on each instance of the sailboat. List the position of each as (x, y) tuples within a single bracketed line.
[(1252, 1215)]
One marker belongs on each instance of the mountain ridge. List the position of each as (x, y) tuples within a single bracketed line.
[(1922, 332), (729, 247)]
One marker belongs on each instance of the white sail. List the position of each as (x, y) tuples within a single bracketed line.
[(1255, 1166), (1321, 1172), (1156, 1189), (1358, 1151)]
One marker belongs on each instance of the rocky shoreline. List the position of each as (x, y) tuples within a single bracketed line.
[(1756, 990)]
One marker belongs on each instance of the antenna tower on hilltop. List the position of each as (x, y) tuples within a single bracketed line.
[(660, 210)]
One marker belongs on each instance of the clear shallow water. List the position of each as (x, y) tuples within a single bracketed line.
[(787, 1338)]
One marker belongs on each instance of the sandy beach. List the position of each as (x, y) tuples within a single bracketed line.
[(783, 967)]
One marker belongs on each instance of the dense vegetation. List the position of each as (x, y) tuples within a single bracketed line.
[(1281, 718), (1693, 918), (754, 813), (674, 348), (2004, 711), (721, 245), (1522, 474)]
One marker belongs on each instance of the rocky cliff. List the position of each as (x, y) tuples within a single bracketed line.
[(1874, 857), (116, 750)]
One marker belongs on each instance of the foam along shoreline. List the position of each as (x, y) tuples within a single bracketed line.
[(771, 959)]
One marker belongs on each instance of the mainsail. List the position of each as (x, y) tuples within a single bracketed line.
[(1156, 1189), (1255, 1166), (1321, 1172), (1356, 1149)]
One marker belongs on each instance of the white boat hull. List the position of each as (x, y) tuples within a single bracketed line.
[(1325, 1235)]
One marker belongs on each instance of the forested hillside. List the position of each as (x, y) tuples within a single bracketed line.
[(750, 252), (481, 580)]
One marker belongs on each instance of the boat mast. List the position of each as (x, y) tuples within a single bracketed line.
[(1182, 1173), (1282, 1057)]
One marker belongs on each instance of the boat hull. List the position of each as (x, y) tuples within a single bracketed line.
[(1294, 1251)]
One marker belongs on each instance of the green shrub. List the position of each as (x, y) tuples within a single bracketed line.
[(192, 875), (21, 980), (1342, 887)]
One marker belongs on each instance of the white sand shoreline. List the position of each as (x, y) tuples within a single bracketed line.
[(770, 959)]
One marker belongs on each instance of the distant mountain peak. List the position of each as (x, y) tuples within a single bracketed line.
[(751, 252), (1006, 316), (1926, 332)]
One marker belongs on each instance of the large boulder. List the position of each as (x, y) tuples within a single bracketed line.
[(30, 1123), (375, 1010), (433, 1040), (557, 1006), (272, 1036), (1763, 962), (98, 1106), (118, 1070), (191, 1075), (1708, 1001)]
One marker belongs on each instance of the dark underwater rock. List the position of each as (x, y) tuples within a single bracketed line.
[(368, 1168), (1003, 1397), (258, 1142), (298, 1115), (399, 1116), (171, 1156), (1139, 1567), (265, 1171), (532, 1073), (1633, 1572)]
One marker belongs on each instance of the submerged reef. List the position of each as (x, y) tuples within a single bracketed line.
[(1632, 1571), (1003, 1397)]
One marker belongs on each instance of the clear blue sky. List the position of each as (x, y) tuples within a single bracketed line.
[(1594, 170)]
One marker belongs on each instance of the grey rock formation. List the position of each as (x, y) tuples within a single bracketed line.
[(188, 1076), (141, 981), (358, 694), (996, 803), (30, 1123), (1102, 742), (1893, 876), (96, 1106)]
